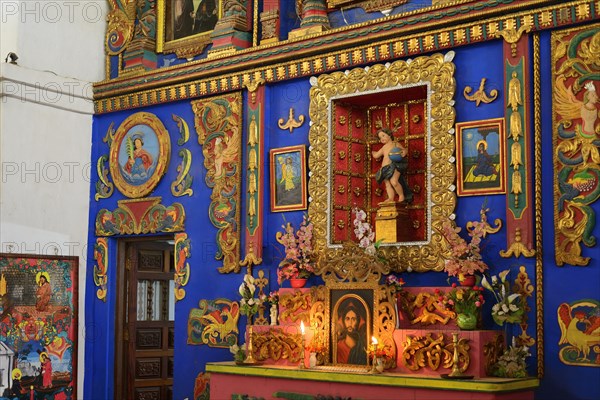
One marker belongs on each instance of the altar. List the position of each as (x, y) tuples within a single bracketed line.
[(281, 382)]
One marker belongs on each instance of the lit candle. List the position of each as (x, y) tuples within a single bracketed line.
[(302, 327)]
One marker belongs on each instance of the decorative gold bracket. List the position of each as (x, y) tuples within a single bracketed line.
[(291, 122), (512, 36), (480, 95), (252, 86), (250, 260), (517, 247)]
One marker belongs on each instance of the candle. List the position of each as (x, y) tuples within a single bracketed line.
[(302, 327)]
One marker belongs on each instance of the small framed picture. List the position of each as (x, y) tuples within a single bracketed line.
[(480, 157), (288, 178)]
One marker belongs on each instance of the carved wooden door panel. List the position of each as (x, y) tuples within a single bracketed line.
[(147, 313), (349, 169)]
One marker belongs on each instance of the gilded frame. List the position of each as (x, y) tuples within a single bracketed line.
[(476, 145), (435, 71), (296, 198), (129, 177), (188, 45)]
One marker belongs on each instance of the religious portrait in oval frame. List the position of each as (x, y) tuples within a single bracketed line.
[(139, 154)]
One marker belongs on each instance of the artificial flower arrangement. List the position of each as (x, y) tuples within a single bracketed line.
[(317, 346), (395, 282), (511, 364), (364, 233), (298, 247), (239, 353), (508, 307), (248, 304), (272, 298), (462, 300), (465, 258)]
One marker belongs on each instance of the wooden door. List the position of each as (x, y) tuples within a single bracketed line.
[(145, 321)]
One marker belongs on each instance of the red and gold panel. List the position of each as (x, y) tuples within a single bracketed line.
[(359, 122), (358, 158), (340, 190), (341, 155), (416, 118), (358, 191), (341, 225), (342, 120)]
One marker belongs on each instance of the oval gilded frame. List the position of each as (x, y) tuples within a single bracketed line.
[(437, 73), (151, 129)]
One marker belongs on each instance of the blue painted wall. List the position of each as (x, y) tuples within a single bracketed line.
[(561, 284)]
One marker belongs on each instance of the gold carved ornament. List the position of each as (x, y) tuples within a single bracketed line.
[(100, 268), (437, 73), (182, 184), (512, 35), (277, 344), (121, 23), (525, 288), (492, 351), (427, 352), (181, 275), (295, 306), (291, 123), (218, 123), (480, 95)]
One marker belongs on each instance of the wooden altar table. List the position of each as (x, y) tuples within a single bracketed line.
[(268, 381)]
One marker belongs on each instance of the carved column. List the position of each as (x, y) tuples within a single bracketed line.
[(141, 53), (314, 18), (269, 22), (234, 30), (520, 207)]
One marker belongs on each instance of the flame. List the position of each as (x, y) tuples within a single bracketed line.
[(2, 285)]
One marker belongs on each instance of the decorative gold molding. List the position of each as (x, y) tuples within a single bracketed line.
[(436, 72), (104, 187), (539, 261), (291, 123), (480, 95), (295, 306), (252, 86), (492, 351), (261, 283), (250, 260)]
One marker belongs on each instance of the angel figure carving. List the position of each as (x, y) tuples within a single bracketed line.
[(580, 330)]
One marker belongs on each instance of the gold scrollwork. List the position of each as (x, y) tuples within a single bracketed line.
[(433, 353), (517, 247), (104, 187), (184, 130), (101, 268), (480, 95), (120, 29), (182, 184), (437, 71), (276, 345), (525, 288), (295, 306), (182, 267), (512, 36)]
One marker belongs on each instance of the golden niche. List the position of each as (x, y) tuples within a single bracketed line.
[(390, 96)]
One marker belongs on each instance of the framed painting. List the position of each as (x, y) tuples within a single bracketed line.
[(38, 326), (184, 26), (139, 154), (288, 178), (480, 154), (351, 319)]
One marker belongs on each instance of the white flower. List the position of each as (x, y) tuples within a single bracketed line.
[(504, 308), (503, 275), (251, 302), (513, 296), (234, 349), (513, 307), (496, 307), (370, 250)]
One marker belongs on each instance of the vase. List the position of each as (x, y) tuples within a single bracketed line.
[(273, 312), (466, 321), (298, 282), (312, 361), (379, 367), (467, 280)]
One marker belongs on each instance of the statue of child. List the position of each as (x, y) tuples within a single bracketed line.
[(393, 168)]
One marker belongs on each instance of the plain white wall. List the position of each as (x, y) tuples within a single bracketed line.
[(46, 128)]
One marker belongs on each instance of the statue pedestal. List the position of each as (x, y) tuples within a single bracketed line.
[(392, 223)]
